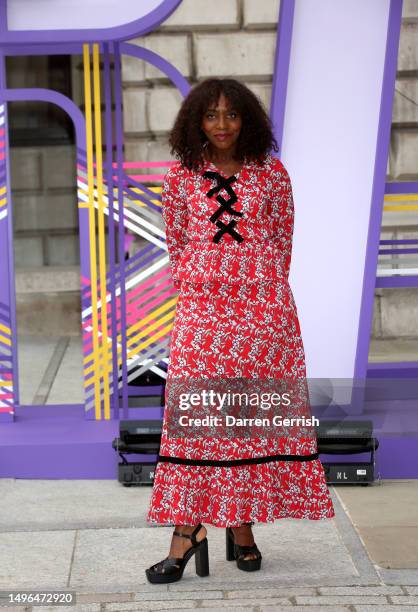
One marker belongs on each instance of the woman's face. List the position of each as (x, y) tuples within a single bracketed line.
[(222, 125)]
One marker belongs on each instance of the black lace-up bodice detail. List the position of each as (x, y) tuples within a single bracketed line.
[(225, 205)]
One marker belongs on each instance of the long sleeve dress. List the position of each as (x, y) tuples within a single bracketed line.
[(229, 241)]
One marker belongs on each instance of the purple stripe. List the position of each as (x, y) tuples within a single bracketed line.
[(137, 196), (393, 365), (281, 69), (111, 222), (27, 48), (5, 319), (9, 265), (135, 28), (159, 62), (402, 187), (134, 183), (47, 95), (82, 157), (3, 17), (398, 251), (119, 162), (402, 241), (378, 190), (153, 390), (144, 262), (396, 281)]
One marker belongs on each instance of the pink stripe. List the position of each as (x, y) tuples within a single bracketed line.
[(6, 396), (2, 144), (146, 177), (141, 312), (1, 156), (88, 334), (155, 164), (6, 410), (147, 283), (1, 132), (149, 294)]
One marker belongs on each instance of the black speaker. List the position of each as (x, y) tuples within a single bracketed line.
[(140, 437), (348, 438)]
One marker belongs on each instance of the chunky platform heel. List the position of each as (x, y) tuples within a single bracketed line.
[(171, 569), (235, 552)]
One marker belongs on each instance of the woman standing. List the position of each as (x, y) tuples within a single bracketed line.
[(228, 211)]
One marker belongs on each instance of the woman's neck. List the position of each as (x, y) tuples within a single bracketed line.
[(222, 157)]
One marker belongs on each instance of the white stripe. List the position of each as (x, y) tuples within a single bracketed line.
[(132, 361), (399, 272), (156, 266), (129, 214), (127, 211), (3, 214)]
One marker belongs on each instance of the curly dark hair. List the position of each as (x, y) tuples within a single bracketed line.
[(256, 138)]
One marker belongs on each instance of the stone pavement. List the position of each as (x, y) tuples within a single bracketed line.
[(91, 537)]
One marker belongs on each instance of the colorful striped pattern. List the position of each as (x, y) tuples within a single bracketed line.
[(150, 298), (399, 257), (3, 186), (6, 344)]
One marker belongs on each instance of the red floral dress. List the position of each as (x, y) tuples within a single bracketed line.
[(229, 242)]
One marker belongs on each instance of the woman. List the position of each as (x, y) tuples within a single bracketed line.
[(228, 211)]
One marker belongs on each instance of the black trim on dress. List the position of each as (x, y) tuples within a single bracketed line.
[(232, 462)]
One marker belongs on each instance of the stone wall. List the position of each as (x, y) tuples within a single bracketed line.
[(237, 38)]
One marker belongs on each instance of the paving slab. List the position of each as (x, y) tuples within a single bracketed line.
[(40, 505), (386, 519)]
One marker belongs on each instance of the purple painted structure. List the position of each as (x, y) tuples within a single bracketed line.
[(81, 448), (378, 191)]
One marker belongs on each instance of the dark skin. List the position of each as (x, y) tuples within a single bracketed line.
[(222, 125)]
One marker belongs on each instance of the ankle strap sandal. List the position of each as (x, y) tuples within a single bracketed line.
[(171, 569), (238, 553)]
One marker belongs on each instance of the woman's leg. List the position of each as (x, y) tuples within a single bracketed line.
[(243, 536), (179, 546)]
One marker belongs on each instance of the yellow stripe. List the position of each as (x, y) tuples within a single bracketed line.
[(3, 202), (153, 189), (399, 207), (92, 230), (400, 197), (101, 227), (6, 341), (138, 335), (2, 190), (6, 383), (150, 339), (134, 352), (154, 314), (5, 329)]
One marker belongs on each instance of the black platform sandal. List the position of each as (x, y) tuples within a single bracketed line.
[(171, 569), (235, 552)]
